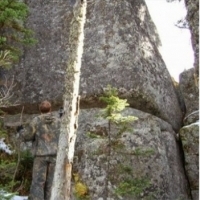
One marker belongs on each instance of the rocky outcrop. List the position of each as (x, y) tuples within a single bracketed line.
[(189, 133), (189, 91), (144, 161), (193, 20), (126, 56), (190, 140), (40, 73), (120, 50), (147, 151), (189, 84)]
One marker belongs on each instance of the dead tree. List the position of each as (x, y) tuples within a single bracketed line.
[(62, 178)]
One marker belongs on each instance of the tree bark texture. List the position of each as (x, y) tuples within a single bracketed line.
[(62, 178)]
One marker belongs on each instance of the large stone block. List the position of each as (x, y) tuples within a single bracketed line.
[(192, 7), (120, 49), (190, 91), (146, 153), (190, 141)]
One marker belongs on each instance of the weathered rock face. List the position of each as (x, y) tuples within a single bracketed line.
[(190, 140), (143, 162), (193, 19), (147, 151), (41, 71), (120, 50), (189, 90), (189, 133)]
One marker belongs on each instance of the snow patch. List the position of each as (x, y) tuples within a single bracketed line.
[(4, 146), (195, 123), (19, 198)]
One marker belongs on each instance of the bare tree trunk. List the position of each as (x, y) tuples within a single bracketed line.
[(62, 178)]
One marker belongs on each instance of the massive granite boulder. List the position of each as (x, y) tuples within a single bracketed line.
[(190, 141), (189, 133), (120, 49), (143, 162), (189, 91)]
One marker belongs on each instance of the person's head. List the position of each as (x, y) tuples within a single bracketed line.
[(45, 107)]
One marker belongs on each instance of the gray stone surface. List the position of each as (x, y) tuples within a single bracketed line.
[(120, 49), (191, 118), (193, 19), (195, 194), (148, 149), (190, 141), (190, 91)]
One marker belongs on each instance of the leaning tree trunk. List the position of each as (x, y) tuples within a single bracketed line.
[(62, 178)]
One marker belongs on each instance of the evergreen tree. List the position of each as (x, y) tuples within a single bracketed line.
[(13, 33)]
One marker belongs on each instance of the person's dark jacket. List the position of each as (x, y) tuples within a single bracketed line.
[(44, 131)]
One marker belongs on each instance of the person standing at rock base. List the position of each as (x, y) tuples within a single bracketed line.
[(44, 132)]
